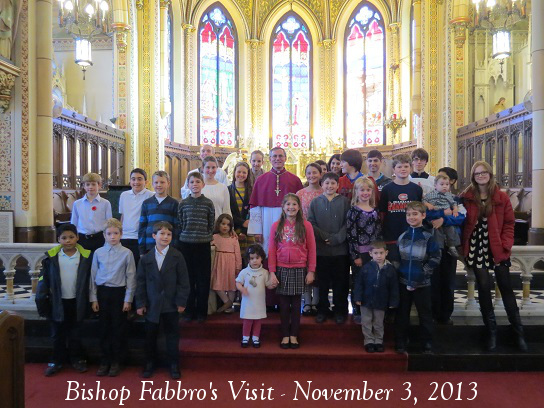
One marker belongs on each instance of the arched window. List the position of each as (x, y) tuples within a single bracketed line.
[(291, 79), (364, 79), (217, 50)]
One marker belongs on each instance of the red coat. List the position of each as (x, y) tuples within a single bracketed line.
[(500, 224)]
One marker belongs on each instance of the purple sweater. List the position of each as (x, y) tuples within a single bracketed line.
[(363, 227)]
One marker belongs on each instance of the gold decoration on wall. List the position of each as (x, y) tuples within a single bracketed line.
[(245, 6), (140, 4), (265, 6), (190, 68), (7, 80), (328, 99), (121, 40), (460, 31), (433, 84), (25, 111), (336, 6)]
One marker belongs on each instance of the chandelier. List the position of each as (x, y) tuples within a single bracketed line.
[(85, 19), (499, 17)]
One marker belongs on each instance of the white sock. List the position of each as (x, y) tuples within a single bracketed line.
[(255, 338), (245, 338)]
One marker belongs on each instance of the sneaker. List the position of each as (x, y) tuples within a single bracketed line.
[(340, 319), (245, 343), (103, 370), (379, 348), (52, 369), (148, 370), (175, 374), (307, 310), (370, 348), (80, 366), (320, 318), (115, 370)]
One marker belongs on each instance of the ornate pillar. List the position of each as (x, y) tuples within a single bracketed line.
[(329, 140), (44, 122), (536, 233), (166, 107), (10, 275), (151, 152), (395, 102), (259, 137), (416, 73), (190, 93), (34, 277)]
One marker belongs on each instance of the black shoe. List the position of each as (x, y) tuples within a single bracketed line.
[(356, 319), (427, 348), (201, 319), (400, 348), (80, 366), (52, 369), (115, 370), (448, 322), (285, 346), (148, 370), (103, 370), (340, 319), (320, 318), (491, 341), (379, 348), (256, 343), (294, 346), (245, 343), (187, 317), (307, 310), (314, 310), (370, 348), (175, 374)]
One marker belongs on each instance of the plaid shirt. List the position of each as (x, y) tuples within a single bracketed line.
[(441, 201)]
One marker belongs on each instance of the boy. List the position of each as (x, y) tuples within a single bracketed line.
[(160, 207), (196, 216), (220, 175), (374, 161), (328, 214), (419, 255), (90, 213), (376, 290), (161, 294), (420, 158), (62, 296), (113, 282), (256, 159), (351, 162), (392, 206), (130, 208), (441, 199)]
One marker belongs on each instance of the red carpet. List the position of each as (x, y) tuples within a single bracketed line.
[(496, 390)]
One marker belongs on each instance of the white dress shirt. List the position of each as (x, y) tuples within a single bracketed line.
[(159, 256), (90, 217), (68, 266), (130, 205)]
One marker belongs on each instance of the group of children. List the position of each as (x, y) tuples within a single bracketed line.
[(159, 258)]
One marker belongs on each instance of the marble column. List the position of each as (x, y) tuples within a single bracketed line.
[(44, 123), (536, 233)]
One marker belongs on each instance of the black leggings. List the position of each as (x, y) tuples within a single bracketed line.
[(290, 315), (485, 286)]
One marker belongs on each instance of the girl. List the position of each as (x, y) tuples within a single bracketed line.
[(251, 283), (227, 263), (240, 192), (334, 165), (323, 165), (292, 255), (363, 227), (213, 189), (306, 195), (488, 236)]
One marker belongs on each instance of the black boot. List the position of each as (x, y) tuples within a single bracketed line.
[(491, 325), (518, 331)]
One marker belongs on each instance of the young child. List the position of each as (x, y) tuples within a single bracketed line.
[(292, 255), (376, 290), (441, 199), (196, 216), (419, 256), (160, 207), (334, 164), (113, 281), (323, 165), (420, 158), (251, 283), (227, 263), (256, 159), (162, 288), (363, 227), (351, 162), (130, 208), (90, 213), (62, 296), (374, 160), (327, 215), (392, 206)]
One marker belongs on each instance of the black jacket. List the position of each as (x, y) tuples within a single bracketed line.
[(377, 288), (48, 292), (161, 291), (239, 217)]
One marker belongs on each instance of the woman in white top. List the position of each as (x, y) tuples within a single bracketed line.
[(214, 190)]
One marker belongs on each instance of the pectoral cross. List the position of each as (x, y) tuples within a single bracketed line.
[(277, 190)]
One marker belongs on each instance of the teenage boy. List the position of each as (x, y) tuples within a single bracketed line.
[(351, 162), (62, 296), (394, 198), (419, 256), (113, 281), (220, 175), (162, 289), (374, 160), (328, 215), (376, 290), (196, 216), (90, 213), (160, 207), (130, 208), (420, 158), (256, 160)]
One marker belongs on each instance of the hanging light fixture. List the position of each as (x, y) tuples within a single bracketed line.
[(490, 14), (84, 20), (501, 44)]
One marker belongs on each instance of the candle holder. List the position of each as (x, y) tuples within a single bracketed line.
[(395, 124)]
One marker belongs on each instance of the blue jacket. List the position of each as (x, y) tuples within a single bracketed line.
[(419, 254), (377, 288), (49, 294)]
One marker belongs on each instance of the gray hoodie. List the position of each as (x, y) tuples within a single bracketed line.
[(328, 218)]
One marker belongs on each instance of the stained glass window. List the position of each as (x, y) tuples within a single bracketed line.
[(217, 78), (365, 78), (291, 83)]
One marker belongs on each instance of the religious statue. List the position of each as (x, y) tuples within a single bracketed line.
[(8, 24), (499, 106)]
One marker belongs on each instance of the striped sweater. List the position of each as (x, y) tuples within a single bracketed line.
[(197, 218), (152, 212)]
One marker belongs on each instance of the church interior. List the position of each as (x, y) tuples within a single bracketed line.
[(105, 86)]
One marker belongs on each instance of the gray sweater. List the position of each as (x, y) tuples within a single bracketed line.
[(328, 218)]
